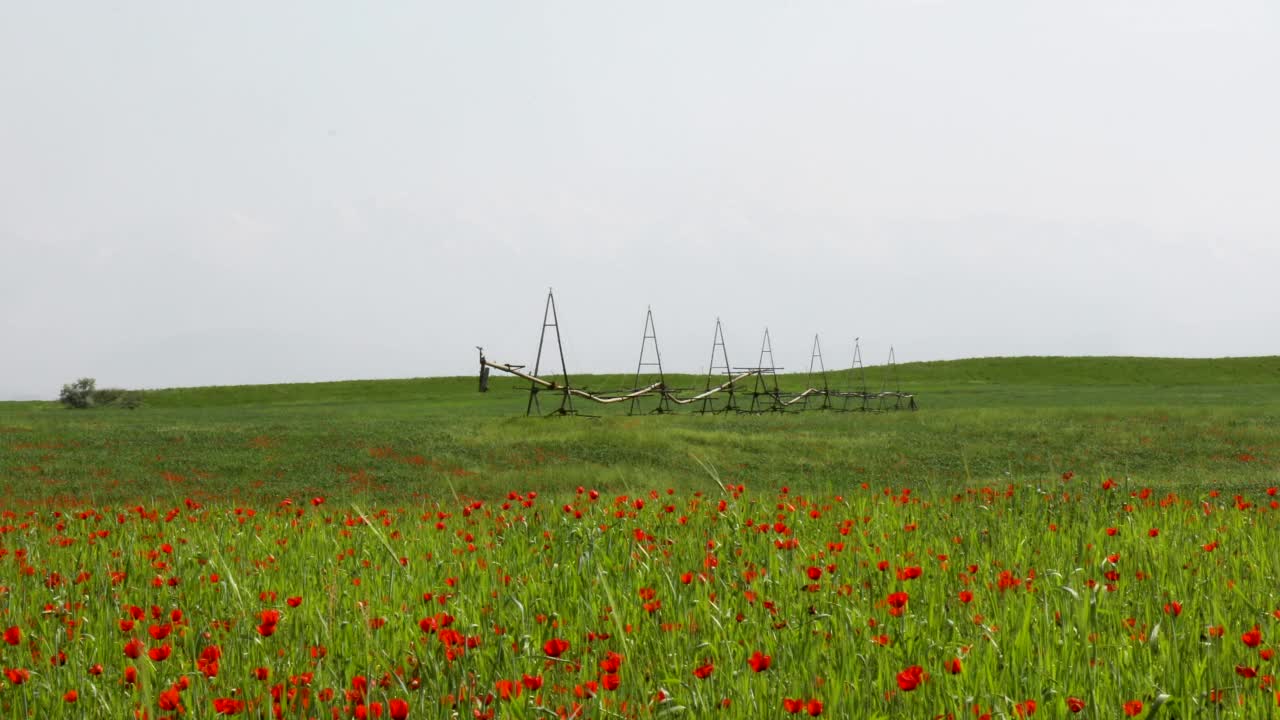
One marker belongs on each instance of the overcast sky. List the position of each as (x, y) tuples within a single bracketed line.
[(246, 192)]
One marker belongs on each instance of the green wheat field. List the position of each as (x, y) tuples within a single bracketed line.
[(1049, 537)]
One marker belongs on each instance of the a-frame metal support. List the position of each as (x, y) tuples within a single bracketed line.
[(650, 333), (762, 385), (890, 377), (550, 320), (856, 391), (816, 355), (717, 343)]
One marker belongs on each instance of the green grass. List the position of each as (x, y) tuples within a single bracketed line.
[(1167, 422), (419, 569)]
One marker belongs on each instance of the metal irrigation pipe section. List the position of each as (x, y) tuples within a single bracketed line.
[(774, 402), (659, 388)]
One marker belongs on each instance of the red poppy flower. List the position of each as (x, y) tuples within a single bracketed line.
[(359, 687), (953, 666), (703, 672), (1075, 704), (227, 706), (1132, 708), (531, 682), (911, 678), (95, 669), (814, 573), (1252, 638), (1246, 672), (814, 707), (293, 602), (792, 705), (507, 689), (71, 696), (1025, 709), (133, 648), (966, 596), (760, 662), (131, 676), (159, 654), (210, 654), (610, 681), (13, 635), (555, 647), (17, 676), (170, 699), (399, 709)]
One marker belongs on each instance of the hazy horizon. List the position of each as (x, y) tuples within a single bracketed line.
[(243, 193)]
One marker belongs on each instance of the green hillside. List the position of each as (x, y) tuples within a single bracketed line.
[(987, 382), (1189, 423)]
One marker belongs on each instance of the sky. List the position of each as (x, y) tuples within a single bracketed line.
[(244, 192)]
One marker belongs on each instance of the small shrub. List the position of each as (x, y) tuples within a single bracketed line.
[(78, 394)]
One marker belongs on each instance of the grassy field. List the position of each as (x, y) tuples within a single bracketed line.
[(1166, 422), (1087, 538)]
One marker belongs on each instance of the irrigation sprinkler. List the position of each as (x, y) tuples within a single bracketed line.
[(891, 399), (816, 355), (650, 333), (717, 343), (857, 391), (766, 395), (762, 386), (890, 372), (550, 319)]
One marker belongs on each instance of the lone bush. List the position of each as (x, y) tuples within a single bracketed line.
[(78, 394)]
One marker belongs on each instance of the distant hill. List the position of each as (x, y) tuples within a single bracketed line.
[(1095, 371), (950, 376), (1174, 423)]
